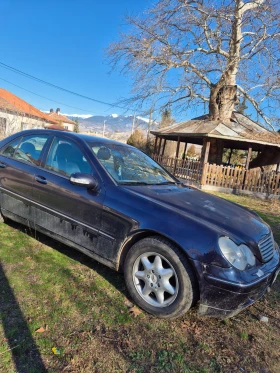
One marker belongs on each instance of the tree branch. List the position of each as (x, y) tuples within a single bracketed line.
[(256, 107), (250, 6)]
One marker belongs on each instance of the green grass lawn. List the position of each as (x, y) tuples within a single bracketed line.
[(83, 311)]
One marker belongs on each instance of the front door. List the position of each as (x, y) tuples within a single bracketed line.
[(19, 161), (73, 213)]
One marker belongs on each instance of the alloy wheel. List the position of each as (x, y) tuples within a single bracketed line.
[(155, 279)]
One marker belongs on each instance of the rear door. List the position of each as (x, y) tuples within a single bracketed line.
[(19, 161), (72, 213)]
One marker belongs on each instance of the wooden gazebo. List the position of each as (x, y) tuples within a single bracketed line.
[(215, 136)]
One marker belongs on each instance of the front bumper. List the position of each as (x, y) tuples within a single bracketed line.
[(223, 294)]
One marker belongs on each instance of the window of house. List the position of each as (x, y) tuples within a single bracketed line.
[(24, 126), (66, 158), (66, 127), (3, 123), (30, 148)]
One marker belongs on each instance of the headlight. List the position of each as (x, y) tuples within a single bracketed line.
[(238, 256)]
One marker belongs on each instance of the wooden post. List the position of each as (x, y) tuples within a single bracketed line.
[(248, 158), (178, 147), (185, 148), (163, 148), (229, 158), (247, 166), (155, 146), (205, 153), (204, 173), (160, 140), (177, 153)]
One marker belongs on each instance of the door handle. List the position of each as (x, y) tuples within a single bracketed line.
[(3, 165), (41, 179)]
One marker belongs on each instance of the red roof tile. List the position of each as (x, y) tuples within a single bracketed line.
[(11, 102), (5, 105), (56, 127), (60, 118)]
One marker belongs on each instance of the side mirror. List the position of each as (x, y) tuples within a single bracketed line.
[(84, 180)]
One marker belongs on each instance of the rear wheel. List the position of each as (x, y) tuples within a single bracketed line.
[(159, 278)]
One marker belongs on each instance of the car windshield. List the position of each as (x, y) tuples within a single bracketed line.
[(128, 165)]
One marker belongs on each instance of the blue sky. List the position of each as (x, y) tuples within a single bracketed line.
[(63, 42)]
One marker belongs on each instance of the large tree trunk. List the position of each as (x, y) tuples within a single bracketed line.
[(223, 95), (222, 102)]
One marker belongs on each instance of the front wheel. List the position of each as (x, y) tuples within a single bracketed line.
[(159, 278)]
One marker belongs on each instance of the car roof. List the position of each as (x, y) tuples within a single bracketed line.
[(70, 134)]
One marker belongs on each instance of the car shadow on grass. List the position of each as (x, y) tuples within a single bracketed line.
[(18, 338)]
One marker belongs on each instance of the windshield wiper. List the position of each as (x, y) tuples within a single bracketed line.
[(133, 183), (144, 183), (166, 183)]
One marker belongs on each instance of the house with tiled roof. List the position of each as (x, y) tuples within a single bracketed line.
[(17, 114), (61, 120)]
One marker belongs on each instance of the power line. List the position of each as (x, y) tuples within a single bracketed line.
[(46, 98), (57, 87)]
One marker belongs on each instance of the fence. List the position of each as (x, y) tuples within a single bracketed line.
[(181, 168), (254, 180)]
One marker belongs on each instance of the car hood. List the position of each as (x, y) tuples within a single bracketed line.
[(225, 217)]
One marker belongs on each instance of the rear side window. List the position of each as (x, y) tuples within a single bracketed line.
[(30, 149), (9, 150)]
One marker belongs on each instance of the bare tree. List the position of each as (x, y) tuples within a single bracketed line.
[(166, 118), (191, 151), (182, 52)]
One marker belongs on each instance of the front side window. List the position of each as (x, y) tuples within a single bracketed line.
[(30, 149), (129, 165), (66, 158)]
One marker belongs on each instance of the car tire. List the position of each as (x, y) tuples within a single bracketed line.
[(159, 278)]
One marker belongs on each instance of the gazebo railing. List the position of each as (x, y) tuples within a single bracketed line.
[(211, 175), (181, 168), (254, 180)]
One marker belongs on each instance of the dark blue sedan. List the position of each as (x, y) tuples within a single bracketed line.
[(175, 245)]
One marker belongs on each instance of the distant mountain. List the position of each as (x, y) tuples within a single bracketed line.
[(113, 124), (78, 116)]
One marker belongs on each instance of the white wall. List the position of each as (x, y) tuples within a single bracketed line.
[(16, 123), (68, 126)]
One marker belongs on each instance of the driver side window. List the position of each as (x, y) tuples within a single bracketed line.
[(66, 158)]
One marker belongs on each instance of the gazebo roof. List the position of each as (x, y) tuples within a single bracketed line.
[(240, 128)]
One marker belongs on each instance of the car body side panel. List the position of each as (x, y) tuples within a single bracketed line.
[(76, 246), (125, 215), (71, 211), (16, 181)]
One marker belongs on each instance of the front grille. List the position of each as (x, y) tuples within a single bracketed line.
[(266, 247)]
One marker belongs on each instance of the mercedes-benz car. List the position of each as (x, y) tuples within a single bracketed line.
[(175, 244)]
